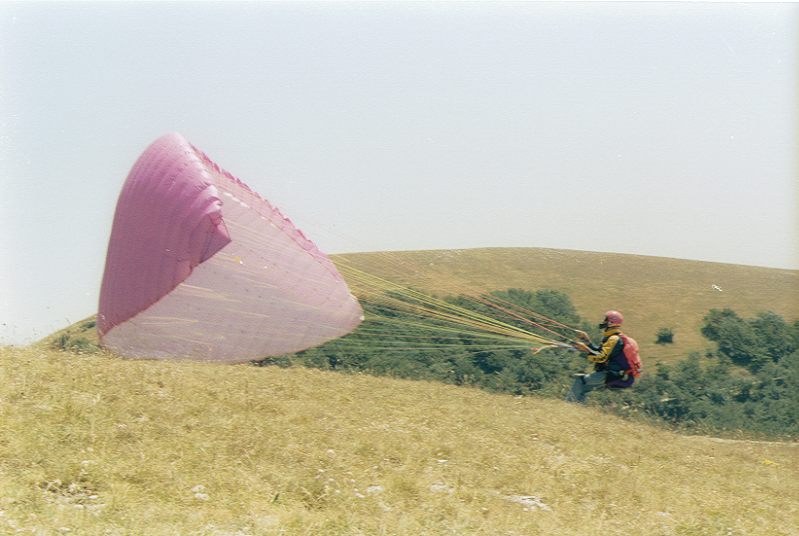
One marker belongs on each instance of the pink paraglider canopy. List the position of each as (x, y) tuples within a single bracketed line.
[(199, 267)]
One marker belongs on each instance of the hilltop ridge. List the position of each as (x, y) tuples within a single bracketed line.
[(651, 292)]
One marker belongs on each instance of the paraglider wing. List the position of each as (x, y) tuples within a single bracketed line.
[(200, 267)]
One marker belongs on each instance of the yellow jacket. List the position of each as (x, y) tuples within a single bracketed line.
[(601, 354)]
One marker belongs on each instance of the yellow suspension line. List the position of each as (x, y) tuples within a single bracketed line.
[(377, 287)]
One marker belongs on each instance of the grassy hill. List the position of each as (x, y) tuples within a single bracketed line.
[(651, 292), (93, 444)]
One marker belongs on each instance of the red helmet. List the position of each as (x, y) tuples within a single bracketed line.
[(613, 319)]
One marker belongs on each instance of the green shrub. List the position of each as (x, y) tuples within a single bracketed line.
[(665, 336)]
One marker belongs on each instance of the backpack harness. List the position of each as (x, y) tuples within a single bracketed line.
[(630, 352)]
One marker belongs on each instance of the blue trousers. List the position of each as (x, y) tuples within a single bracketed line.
[(583, 386)]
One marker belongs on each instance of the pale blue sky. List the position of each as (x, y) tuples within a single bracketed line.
[(666, 129)]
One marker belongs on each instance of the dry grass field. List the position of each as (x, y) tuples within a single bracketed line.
[(97, 445)]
